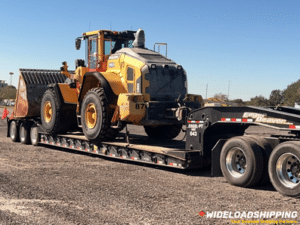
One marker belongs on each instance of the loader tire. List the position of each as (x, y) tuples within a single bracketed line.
[(54, 120), (163, 131), (96, 116)]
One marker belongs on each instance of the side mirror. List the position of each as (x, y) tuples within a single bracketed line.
[(77, 43)]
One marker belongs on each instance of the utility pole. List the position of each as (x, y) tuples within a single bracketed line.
[(11, 74), (206, 90)]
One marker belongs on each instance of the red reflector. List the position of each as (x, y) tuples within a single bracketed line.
[(233, 119), (197, 121), (244, 120), (292, 126), (171, 164), (189, 121), (223, 119), (132, 158)]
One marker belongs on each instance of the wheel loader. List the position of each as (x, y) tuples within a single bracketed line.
[(120, 82)]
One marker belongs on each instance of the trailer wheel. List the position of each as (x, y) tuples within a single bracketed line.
[(34, 135), (164, 131), (14, 131), (266, 150), (53, 120), (24, 132), (284, 168), (241, 162), (96, 116)]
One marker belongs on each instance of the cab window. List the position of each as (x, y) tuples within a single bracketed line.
[(108, 46)]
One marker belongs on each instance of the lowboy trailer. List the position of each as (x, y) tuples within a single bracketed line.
[(215, 136)]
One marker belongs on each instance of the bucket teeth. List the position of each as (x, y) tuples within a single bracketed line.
[(44, 77)]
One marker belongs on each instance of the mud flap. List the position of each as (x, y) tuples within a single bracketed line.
[(215, 158)]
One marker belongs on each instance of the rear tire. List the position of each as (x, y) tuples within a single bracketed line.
[(241, 162), (163, 131), (96, 116), (54, 119), (14, 131), (284, 168), (266, 150), (24, 132), (34, 135)]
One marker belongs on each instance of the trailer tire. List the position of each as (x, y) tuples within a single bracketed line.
[(14, 131), (284, 168), (54, 120), (241, 162), (163, 131), (34, 135), (24, 133), (266, 150), (96, 116)]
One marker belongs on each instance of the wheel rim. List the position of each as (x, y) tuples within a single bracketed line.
[(236, 162), (91, 115), (288, 170), (48, 111), (13, 130)]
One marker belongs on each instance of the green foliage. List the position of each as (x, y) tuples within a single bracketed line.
[(8, 92), (259, 101), (291, 94), (276, 97), (239, 102)]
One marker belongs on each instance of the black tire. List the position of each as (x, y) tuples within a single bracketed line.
[(99, 128), (14, 131), (34, 135), (266, 150), (56, 121), (24, 133), (241, 161), (284, 168), (163, 131)]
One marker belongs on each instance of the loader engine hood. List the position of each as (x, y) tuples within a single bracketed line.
[(168, 80)]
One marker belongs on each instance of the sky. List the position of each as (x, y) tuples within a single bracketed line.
[(244, 48)]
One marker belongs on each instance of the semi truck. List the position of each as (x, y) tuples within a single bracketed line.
[(125, 83)]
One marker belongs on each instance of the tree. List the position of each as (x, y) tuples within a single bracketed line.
[(239, 102), (275, 97), (291, 94), (221, 96), (259, 101), (8, 92)]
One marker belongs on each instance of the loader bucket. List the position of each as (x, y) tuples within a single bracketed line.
[(32, 85)]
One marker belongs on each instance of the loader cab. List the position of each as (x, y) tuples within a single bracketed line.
[(100, 44)]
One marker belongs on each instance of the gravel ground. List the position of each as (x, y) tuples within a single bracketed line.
[(40, 185)]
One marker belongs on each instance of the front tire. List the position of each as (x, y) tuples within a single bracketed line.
[(96, 116), (52, 117), (163, 131), (284, 168)]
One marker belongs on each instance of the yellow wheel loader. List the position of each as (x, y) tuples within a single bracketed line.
[(120, 82)]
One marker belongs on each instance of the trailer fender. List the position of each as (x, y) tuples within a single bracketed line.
[(215, 158), (96, 79)]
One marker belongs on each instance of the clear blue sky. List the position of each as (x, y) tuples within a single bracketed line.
[(253, 44)]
